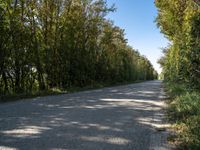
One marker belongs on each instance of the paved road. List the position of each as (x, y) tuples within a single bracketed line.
[(116, 118)]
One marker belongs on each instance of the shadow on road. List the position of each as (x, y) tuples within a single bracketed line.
[(122, 117)]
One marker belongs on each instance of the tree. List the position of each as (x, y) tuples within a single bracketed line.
[(49, 44), (179, 21)]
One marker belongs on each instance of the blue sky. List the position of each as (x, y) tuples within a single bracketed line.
[(137, 18)]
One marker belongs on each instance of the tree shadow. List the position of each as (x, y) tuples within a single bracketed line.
[(123, 117)]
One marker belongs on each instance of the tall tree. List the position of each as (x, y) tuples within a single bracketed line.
[(179, 20), (49, 44)]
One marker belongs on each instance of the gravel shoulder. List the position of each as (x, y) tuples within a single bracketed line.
[(128, 117)]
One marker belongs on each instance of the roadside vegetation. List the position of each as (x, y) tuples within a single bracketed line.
[(184, 114), (64, 45), (179, 20)]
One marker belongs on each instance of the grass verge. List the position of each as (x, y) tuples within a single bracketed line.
[(184, 113)]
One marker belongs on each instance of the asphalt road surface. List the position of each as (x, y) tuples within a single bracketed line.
[(125, 117)]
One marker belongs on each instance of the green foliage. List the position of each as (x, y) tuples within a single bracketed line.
[(179, 20), (175, 89), (192, 132), (63, 44), (184, 110), (187, 105)]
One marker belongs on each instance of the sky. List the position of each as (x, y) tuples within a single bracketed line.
[(137, 17)]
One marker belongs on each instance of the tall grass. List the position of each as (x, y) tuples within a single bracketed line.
[(184, 110)]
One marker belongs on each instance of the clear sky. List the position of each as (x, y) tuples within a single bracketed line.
[(137, 18)]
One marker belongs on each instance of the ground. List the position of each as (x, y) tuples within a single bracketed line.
[(128, 117)]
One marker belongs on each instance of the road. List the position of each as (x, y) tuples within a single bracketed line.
[(127, 117)]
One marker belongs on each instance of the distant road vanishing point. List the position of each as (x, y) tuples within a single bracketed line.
[(124, 117)]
